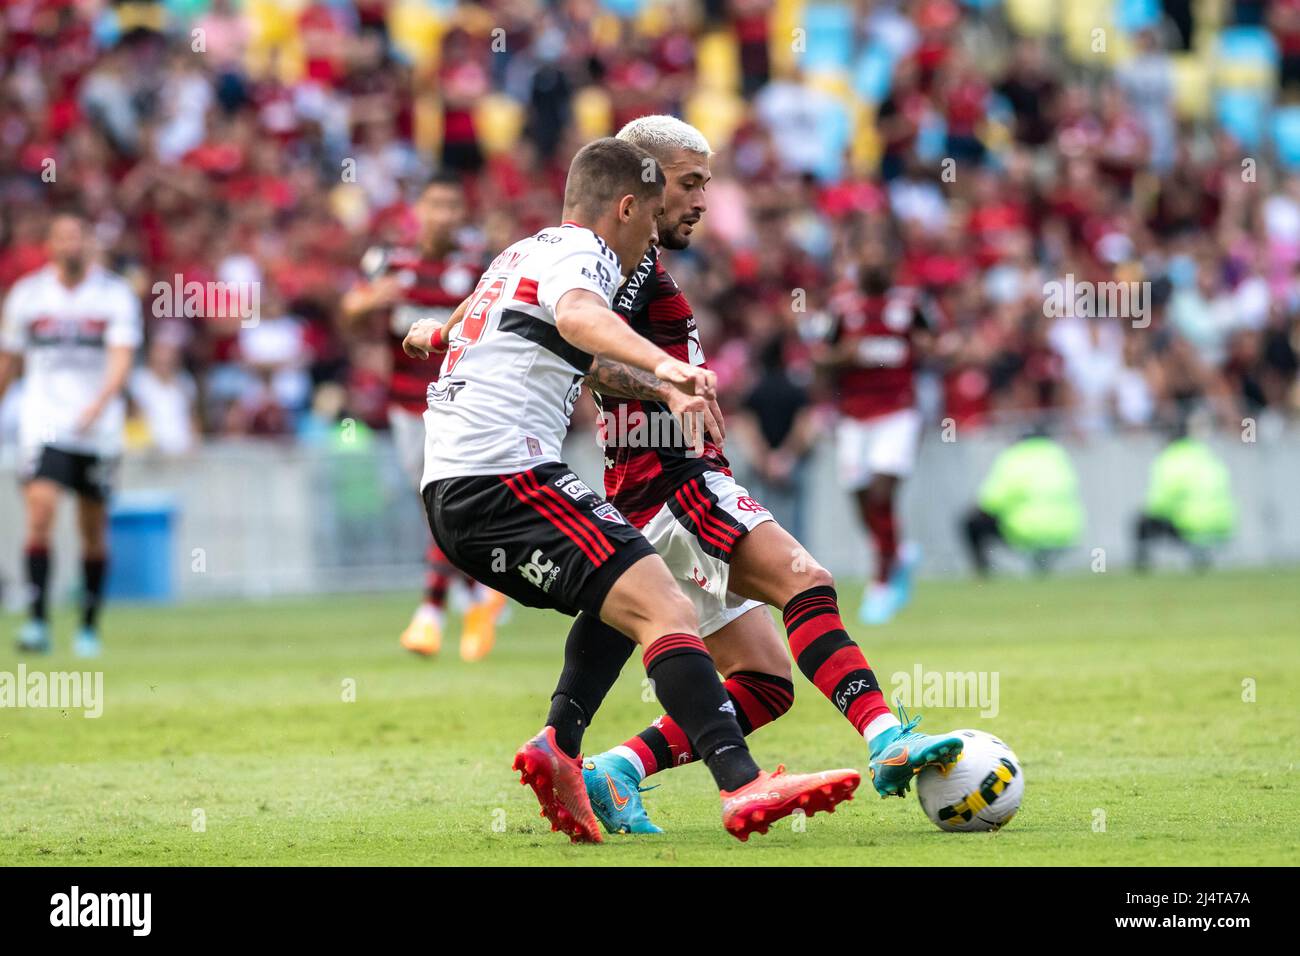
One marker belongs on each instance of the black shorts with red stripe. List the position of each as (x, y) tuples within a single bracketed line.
[(541, 536)]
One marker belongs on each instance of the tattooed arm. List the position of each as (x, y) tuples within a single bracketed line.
[(623, 381)]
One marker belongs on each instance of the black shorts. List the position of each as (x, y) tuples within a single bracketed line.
[(541, 536), (89, 476)]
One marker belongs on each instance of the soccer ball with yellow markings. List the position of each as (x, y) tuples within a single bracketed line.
[(982, 790)]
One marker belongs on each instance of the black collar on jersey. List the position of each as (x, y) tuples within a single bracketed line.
[(639, 287)]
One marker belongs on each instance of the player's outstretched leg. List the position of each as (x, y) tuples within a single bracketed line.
[(752, 655), (646, 604), (761, 569)]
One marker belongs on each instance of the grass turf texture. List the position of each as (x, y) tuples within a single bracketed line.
[(1122, 696)]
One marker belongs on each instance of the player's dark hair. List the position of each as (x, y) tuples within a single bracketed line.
[(445, 178), (606, 170)]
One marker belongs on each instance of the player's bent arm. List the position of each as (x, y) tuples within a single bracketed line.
[(9, 363), (583, 319), (619, 380), (119, 369), (430, 337)]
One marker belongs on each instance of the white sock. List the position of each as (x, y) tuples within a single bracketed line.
[(878, 726), (429, 611), (628, 754)]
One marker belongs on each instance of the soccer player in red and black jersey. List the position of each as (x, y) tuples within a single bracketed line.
[(402, 285), (876, 333), (722, 546)]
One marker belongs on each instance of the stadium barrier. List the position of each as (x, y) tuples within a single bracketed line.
[(255, 519)]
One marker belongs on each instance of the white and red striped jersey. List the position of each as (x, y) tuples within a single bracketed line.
[(509, 380), (63, 336)]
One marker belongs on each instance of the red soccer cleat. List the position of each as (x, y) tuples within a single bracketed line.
[(556, 778), (771, 796)]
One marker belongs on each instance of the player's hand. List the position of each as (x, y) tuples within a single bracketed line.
[(418, 343), (699, 416), (86, 420), (688, 379), (385, 291)]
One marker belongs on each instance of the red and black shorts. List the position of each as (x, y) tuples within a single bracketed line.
[(541, 536)]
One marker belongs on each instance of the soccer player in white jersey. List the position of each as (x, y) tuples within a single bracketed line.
[(73, 327), (506, 509)]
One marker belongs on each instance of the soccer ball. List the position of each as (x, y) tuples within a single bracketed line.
[(981, 791)]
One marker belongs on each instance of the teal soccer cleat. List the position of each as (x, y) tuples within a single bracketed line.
[(34, 637), (87, 643), (899, 754), (615, 795)]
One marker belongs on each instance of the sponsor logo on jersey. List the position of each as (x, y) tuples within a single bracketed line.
[(444, 390), (632, 287), (540, 571), (573, 486), (607, 512), (534, 446)]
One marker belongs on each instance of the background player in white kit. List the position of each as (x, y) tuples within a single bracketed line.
[(74, 327)]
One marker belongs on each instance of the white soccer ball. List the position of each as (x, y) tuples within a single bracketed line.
[(982, 790)]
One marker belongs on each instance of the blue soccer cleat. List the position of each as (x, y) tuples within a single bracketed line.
[(87, 643), (878, 604), (901, 579), (899, 754), (615, 794), (34, 637)]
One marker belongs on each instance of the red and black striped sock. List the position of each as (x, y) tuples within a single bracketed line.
[(828, 657), (880, 521), (686, 683), (438, 579), (758, 698)]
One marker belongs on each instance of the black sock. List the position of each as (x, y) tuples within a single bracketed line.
[(686, 683), (93, 574), (594, 655), (38, 578)]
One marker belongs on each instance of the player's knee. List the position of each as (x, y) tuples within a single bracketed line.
[(819, 577), (677, 614)]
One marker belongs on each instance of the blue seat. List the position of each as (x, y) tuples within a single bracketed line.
[(873, 75), (1286, 136), (1242, 113), (829, 38)]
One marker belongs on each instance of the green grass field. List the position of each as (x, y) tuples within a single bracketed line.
[(1123, 698)]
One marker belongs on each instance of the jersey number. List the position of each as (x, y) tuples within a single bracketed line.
[(475, 321)]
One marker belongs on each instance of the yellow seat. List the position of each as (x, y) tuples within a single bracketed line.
[(1191, 86), (499, 120), (1034, 18)]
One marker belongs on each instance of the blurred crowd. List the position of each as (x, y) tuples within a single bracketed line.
[(271, 143)]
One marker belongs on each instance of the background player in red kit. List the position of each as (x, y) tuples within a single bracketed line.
[(401, 286), (723, 547), (875, 336)]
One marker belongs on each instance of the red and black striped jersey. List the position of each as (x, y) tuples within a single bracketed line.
[(646, 458), (880, 330), (431, 289)]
